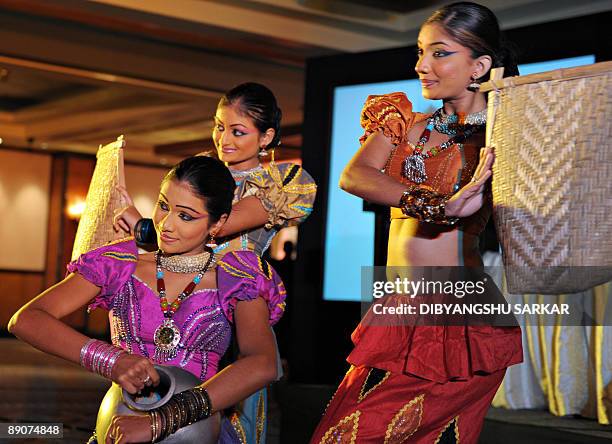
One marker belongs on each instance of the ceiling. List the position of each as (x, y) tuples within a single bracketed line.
[(75, 74)]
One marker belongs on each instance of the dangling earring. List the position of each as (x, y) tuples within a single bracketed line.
[(474, 85), (211, 242), (262, 152)]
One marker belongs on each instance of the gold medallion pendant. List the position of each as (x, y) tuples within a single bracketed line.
[(167, 337)]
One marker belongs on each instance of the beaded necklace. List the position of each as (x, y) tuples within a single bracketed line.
[(450, 124), (413, 167), (168, 336)]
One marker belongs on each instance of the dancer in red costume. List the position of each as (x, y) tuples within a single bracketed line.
[(428, 384)]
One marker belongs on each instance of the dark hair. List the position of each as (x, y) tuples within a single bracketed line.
[(475, 27), (210, 179), (258, 102)]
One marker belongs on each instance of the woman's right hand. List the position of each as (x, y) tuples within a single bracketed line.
[(133, 372), (469, 199), (125, 219), (129, 428)]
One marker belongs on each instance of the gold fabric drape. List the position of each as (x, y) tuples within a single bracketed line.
[(567, 369)]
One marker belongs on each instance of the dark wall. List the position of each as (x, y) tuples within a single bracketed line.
[(320, 329)]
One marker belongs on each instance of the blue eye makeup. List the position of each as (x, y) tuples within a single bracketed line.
[(438, 53), (235, 132), (442, 53), (165, 207)]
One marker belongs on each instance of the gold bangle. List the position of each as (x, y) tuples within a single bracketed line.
[(181, 410), (426, 205), (405, 196), (153, 431)]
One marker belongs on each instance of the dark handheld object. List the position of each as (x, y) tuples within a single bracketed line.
[(144, 234)]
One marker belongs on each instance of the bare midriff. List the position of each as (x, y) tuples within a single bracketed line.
[(414, 243)]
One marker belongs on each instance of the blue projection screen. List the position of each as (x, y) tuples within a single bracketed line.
[(349, 239)]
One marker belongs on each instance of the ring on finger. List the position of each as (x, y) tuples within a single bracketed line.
[(147, 380)]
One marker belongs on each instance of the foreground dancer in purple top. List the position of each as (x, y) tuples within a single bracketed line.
[(173, 307), (204, 318)]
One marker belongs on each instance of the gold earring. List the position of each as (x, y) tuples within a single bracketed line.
[(211, 242), (474, 85)]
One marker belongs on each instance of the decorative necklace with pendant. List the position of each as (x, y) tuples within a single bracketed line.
[(413, 167), (453, 123), (167, 336)]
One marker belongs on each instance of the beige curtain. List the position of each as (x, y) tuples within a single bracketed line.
[(566, 369)]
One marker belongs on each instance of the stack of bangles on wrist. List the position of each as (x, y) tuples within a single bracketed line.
[(181, 410), (100, 357), (426, 205)]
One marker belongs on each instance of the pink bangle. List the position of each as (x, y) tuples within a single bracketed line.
[(100, 357)]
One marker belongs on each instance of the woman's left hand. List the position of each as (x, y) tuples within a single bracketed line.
[(125, 429), (470, 198)]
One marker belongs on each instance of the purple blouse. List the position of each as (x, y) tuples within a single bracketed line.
[(205, 318)]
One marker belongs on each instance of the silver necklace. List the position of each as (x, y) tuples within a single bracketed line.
[(185, 264), (449, 123), (244, 173)]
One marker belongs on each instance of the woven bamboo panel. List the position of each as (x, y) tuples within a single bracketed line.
[(552, 181), (96, 223)]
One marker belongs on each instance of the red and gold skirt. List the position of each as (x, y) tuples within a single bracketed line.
[(421, 384)]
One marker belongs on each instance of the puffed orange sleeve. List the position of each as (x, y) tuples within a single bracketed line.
[(390, 113)]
